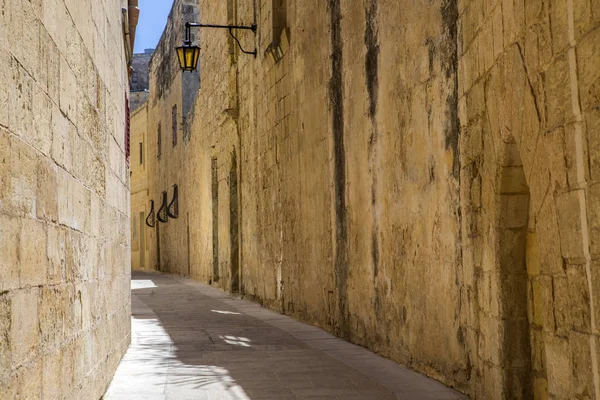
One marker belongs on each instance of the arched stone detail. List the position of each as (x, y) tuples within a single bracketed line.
[(511, 336)]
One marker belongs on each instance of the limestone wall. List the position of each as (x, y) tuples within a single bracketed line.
[(64, 198), (417, 178), (139, 187), (528, 90)]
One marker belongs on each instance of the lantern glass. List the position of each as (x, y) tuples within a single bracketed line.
[(188, 56)]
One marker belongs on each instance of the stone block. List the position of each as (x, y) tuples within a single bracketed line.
[(582, 17), (24, 325), (5, 155), (593, 217), (498, 31), (10, 230), (74, 256), (30, 380), (29, 44), (538, 352), (63, 132), (581, 361), (21, 102), (65, 184), (514, 20), (80, 202), (579, 296), (558, 93), (51, 317), (532, 255), (595, 12), (595, 269), (47, 195), (569, 222), (68, 91), (7, 88), (575, 137), (13, 20), (492, 385), (23, 179), (588, 56), (51, 376), (562, 306), (39, 134), (549, 238), (56, 249), (536, 301), (558, 366), (551, 156), (559, 19), (96, 175), (95, 214), (32, 254), (69, 358), (593, 134), (5, 333)]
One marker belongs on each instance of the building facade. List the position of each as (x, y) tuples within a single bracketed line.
[(422, 179), (139, 187), (139, 78), (64, 196)]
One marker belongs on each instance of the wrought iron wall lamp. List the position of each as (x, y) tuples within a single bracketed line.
[(150, 219), (162, 215), (173, 207), (189, 54)]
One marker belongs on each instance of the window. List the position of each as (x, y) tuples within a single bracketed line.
[(174, 121), (141, 153), (159, 141)]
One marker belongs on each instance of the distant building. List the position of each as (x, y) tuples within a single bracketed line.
[(139, 78)]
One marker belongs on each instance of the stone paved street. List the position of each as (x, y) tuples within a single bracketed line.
[(192, 341)]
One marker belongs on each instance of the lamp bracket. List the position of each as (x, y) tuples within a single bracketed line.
[(252, 28)]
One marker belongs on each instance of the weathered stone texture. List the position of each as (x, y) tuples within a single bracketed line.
[(64, 321), (419, 178)]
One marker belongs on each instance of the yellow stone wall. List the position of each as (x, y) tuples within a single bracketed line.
[(139, 188), (64, 198), (417, 177), (528, 109)]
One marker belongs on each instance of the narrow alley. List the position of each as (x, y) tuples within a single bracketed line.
[(192, 341)]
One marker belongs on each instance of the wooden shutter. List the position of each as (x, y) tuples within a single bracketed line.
[(127, 131)]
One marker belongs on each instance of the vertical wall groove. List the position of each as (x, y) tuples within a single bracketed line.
[(372, 82), (336, 98)]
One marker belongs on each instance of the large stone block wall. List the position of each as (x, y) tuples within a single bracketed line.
[(64, 198), (417, 178), (528, 101)]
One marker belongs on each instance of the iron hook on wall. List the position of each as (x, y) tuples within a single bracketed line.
[(251, 27)]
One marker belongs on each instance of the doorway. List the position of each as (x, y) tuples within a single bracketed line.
[(234, 226), (215, 219)]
